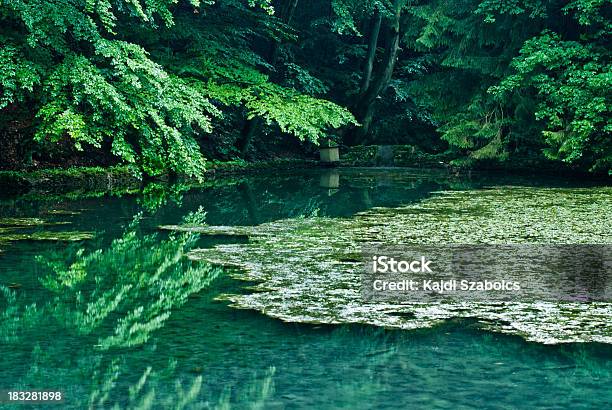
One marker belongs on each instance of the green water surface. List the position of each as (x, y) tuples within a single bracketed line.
[(99, 303)]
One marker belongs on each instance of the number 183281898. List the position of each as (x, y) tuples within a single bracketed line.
[(25, 396)]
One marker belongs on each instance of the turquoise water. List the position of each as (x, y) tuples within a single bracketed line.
[(125, 319)]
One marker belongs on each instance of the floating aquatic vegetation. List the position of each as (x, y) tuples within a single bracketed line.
[(308, 270), (62, 212), (208, 230), (8, 226), (61, 236), (27, 222)]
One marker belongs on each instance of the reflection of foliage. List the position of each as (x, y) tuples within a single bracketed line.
[(156, 195), (109, 298), (140, 278), (142, 394), (257, 199), (256, 393)]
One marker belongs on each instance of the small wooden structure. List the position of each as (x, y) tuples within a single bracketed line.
[(329, 153)]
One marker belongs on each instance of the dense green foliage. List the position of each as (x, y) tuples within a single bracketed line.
[(162, 84), (89, 72), (511, 77)]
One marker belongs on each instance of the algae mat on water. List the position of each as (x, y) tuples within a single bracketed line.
[(309, 270), (10, 231)]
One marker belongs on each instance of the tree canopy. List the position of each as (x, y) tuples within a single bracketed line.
[(162, 84)]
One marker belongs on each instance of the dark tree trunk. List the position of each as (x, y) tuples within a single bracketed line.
[(372, 46), (364, 107), (366, 123)]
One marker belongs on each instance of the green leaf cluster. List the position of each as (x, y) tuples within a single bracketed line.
[(144, 80), (517, 77)]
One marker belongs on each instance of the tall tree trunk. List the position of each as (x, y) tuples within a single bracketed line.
[(364, 107), (372, 46), (366, 123)]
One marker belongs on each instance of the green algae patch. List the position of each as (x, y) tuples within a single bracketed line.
[(11, 230), (62, 212), (26, 222), (207, 230), (75, 236), (306, 270)]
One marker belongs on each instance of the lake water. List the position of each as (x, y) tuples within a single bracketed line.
[(126, 316)]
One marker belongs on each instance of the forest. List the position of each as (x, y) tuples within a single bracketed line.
[(197, 198), (164, 86)]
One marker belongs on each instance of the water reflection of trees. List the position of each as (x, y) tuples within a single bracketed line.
[(260, 199), (90, 336)]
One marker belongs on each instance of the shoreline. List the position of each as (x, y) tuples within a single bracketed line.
[(121, 178), (97, 181)]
